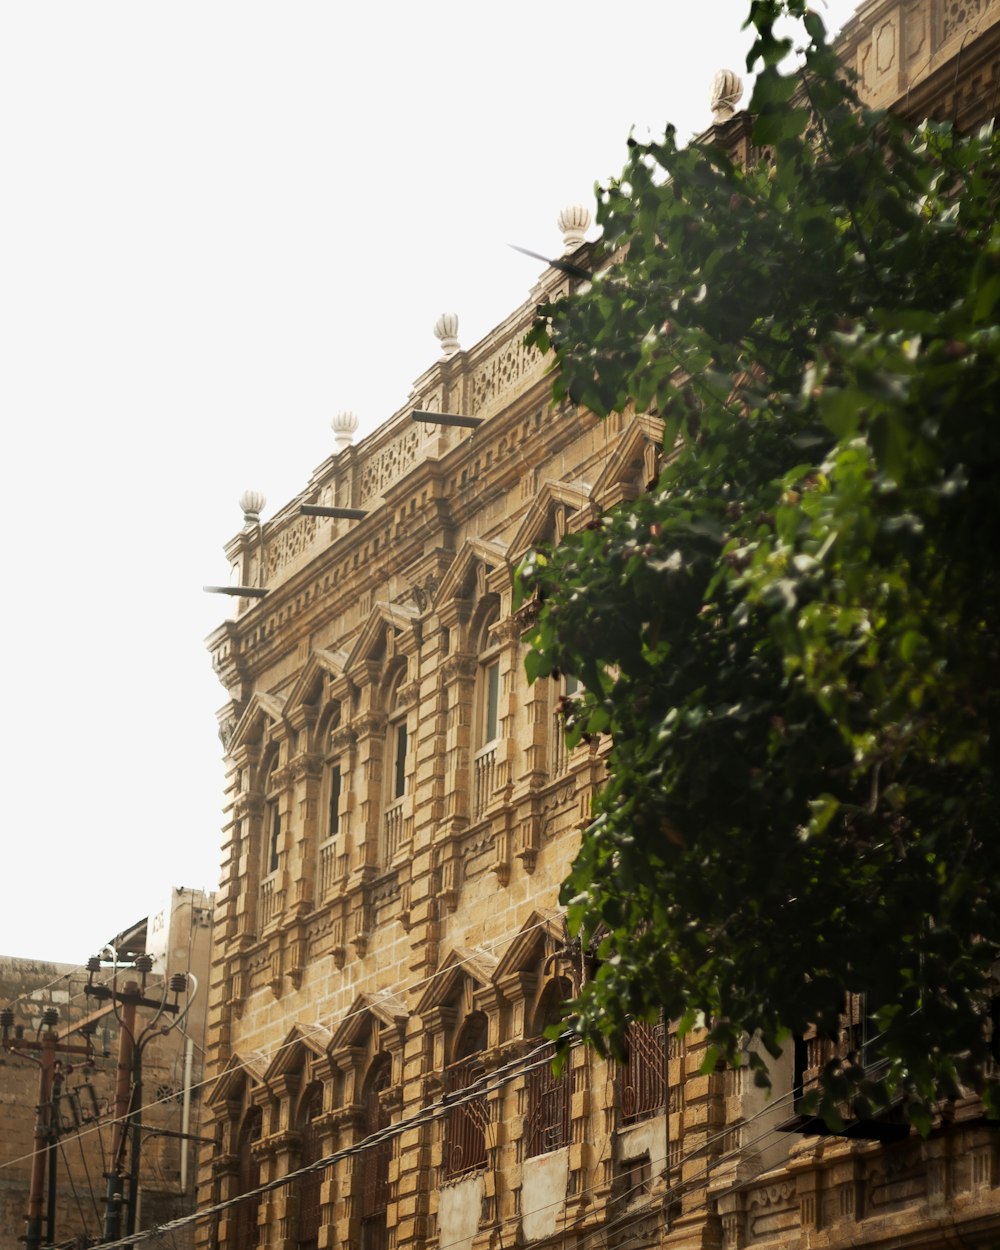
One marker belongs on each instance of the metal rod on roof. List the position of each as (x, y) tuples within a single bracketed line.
[(446, 418), (244, 592), (347, 514)]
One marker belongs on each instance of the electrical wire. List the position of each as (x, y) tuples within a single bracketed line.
[(270, 1054), (486, 1084)]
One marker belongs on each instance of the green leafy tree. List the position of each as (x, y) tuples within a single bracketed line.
[(791, 638)]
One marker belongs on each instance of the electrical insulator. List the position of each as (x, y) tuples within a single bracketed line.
[(94, 963), (143, 963), (50, 1017), (6, 1019), (178, 983)]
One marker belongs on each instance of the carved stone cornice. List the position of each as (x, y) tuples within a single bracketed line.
[(307, 766), (407, 695), (370, 726), (343, 738), (281, 777), (508, 630), (302, 716), (458, 668), (249, 804)]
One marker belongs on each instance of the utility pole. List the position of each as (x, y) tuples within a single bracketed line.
[(47, 1046), (128, 1084)]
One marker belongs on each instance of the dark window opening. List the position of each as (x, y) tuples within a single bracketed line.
[(399, 771), (374, 1162), (247, 1230), (310, 1186), (333, 807)]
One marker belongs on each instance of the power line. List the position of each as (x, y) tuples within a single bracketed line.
[(270, 1054)]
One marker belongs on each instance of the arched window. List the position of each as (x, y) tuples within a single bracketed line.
[(548, 1096), (246, 1229), (396, 776), (309, 1187), (374, 1165), (486, 717), (643, 1074), (465, 1144)]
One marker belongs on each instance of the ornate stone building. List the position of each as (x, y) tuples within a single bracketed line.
[(402, 808)]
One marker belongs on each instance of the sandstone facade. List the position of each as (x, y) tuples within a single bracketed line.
[(402, 809)]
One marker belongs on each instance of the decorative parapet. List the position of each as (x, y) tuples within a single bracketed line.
[(896, 47), (478, 382)]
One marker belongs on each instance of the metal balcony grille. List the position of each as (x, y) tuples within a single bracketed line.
[(643, 1083), (392, 832), (548, 1102), (327, 867), (466, 1132), (485, 781)]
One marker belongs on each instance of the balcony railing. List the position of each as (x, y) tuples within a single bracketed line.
[(328, 874), (484, 780), (392, 831), (560, 753), (271, 900)]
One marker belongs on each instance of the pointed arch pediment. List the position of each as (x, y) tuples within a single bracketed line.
[(384, 1007), (260, 709), (540, 930), (461, 571), (307, 686), (238, 1072), (398, 617), (477, 966), (619, 478), (301, 1042), (536, 522)]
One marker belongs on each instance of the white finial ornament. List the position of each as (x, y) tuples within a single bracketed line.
[(574, 222), (343, 425), (727, 88), (446, 329), (252, 502)]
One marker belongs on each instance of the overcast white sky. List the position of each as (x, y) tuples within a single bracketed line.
[(222, 222)]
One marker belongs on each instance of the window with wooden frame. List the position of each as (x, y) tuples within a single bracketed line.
[(465, 1141), (548, 1096)]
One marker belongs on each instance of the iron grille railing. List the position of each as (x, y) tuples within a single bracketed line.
[(465, 1147), (560, 752), (392, 831), (548, 1106), (485, 765), (327, 867), (643, 1079), (271, 900)]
